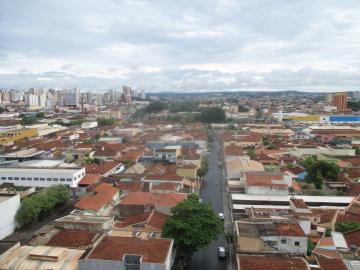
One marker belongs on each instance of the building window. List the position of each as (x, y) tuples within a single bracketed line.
[(29, 178), (10, 178), (42, 179), (62, 179), (48, 179), (23, 178), (68, 179), (3, 178), (297, 243), (55, 179), (16, 178), (283, 241), (36, 179)]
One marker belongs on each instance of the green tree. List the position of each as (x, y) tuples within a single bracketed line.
[(357, 150), (40, 205), (318, 170), (347, 226), (193, 226), (155, 107), (212, 115), (105, 121)]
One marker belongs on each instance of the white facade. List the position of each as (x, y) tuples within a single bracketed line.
[(8, 208), (287, 244), (41, 177)]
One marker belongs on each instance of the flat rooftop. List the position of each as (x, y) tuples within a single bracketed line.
[(22, 153)]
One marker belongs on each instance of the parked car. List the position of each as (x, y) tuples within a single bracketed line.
[(221, 216), (221, 252)]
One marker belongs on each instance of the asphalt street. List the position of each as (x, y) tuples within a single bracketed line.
[(211, 192)]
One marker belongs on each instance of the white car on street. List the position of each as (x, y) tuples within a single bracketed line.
[(221, 216)]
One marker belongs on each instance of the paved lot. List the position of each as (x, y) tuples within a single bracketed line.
[(211, 192)]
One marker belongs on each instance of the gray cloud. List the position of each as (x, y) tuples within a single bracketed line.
[(180, 45)]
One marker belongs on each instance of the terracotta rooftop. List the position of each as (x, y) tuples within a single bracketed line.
[(233, 150), (164, 186), (72, 239), (263, 262), (331, 264), (299, 203), (103, 194), (264, 179), (290, 229), (153, 198), (114, 248), (130, 186), (154, 219), (89, 179), (101, 169)]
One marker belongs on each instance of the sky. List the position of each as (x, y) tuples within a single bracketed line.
[(180, 46)]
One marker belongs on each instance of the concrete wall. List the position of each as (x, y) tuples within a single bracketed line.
[(8, 209), (258, 190)]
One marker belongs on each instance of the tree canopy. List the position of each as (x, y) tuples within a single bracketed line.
[(106, 121), (40, 205), (155, 107), (186, 106), (212, 115), (347, 226), (193, 226), (318, 170), (354, 105)]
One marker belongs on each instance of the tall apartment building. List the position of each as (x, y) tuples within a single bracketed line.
[(72, 97), (340, 101)]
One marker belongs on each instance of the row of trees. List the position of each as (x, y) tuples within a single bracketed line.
[(207, 115), (40, 205), (106, 121)]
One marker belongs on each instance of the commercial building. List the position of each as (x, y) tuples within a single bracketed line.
[(8, 137), (340, 101), (41, 173)]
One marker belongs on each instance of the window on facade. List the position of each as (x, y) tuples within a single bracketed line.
[(48, 179), (62, 179), (10, 178), (23, 178), (3, 178), (68, 179), (29, 178), (42, 179), (55, 179), (36, 178), (297, 243), (16, 178), (283, 241)]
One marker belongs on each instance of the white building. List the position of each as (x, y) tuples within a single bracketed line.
[(41, 173), (9, 204), (89, 125)]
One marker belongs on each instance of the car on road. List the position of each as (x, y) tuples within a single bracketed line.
[(221, 252), (221, 216)]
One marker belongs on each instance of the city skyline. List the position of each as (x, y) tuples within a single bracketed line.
[(183, 46)]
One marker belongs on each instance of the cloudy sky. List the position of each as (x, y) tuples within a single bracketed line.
[(182, 45)]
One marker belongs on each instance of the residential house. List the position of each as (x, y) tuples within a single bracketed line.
[(266, 183), (140, 202), (271, 237), (100, 200), (125, 253), (269, 262)]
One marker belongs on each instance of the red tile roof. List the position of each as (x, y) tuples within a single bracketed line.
[(90, 179), (290, 229), (153, 198), (72, 239), (130, 186), (102, 169), (114, 248), (331, 264), (353, 237), (262, 262), (153, 218), (104, 194)]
